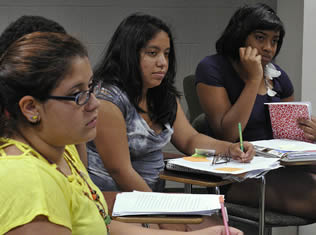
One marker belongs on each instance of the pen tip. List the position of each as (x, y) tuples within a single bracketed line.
[(221, 199)]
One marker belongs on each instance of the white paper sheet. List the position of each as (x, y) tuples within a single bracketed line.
[(140, 203), (285, 145), (233, 167)]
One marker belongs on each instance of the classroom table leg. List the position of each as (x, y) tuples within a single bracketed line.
[(217, 190), (188, 188), (262, 205)]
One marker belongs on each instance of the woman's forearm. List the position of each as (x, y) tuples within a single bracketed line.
[(129, 180), (239, 112)]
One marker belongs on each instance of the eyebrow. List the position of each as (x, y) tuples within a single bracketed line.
[(155, 47), (80, 84), (262, 32)]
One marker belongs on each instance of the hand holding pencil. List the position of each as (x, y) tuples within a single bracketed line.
[(237, 154), (242, 151)]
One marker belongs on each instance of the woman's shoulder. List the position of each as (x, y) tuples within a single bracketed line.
[(284, 76), (111, 91), (118, 97), (41, 189), (213, 64), (25, 165), (28, 169), (114, 94), (213, 70), (214, 60)]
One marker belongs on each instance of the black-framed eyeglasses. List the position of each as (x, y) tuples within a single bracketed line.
[(82, 97), (218, 159)]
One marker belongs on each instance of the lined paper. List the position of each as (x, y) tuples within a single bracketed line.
[(140, 203)]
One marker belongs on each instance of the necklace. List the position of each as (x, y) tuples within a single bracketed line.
[(94, 194)]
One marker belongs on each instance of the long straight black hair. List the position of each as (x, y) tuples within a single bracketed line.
[(120, 65)]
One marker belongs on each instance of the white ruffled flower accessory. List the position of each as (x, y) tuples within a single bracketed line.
[(270, 72)]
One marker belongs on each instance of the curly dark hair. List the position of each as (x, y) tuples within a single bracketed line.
[(24, 25), (246, 20), (120, 65)]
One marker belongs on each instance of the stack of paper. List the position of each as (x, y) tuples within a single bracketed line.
[(228, 170), (269, 152), (300, 156), (150, 203), (286, 150)]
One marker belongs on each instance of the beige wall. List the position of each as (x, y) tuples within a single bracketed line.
[(196, 24)]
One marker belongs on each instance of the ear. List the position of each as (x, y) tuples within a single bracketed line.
[(29, 107)]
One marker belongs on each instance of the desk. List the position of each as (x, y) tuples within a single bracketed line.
[(110, 199), (190, 179)]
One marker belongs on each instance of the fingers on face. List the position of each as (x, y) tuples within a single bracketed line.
[(242, 52), (249, 53)]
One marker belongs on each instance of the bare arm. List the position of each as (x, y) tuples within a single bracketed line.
[(186, 139), (224, 117), (117, 228), (112, 145), (40, 225)]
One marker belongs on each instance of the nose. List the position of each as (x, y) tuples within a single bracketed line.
[(162, 61), (92, 104), (267, 46)]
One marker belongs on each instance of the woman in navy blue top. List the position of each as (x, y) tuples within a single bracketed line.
[(217, 72), (233, 86)]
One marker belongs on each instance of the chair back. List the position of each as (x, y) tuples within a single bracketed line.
[(191, 97)]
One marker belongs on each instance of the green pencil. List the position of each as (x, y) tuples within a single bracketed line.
[(240, 137)]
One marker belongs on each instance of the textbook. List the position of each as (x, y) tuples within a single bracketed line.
[(284, 115), (152, 203)]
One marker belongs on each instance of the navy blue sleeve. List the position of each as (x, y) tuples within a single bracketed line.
[(209, 72), (283, 84)]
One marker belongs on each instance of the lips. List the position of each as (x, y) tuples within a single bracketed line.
[(159, 74), (266, 57), (93, 122)]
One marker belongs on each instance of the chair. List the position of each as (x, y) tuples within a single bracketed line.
[(240, 215), (249, 215), (191, 97), (196, 115)]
